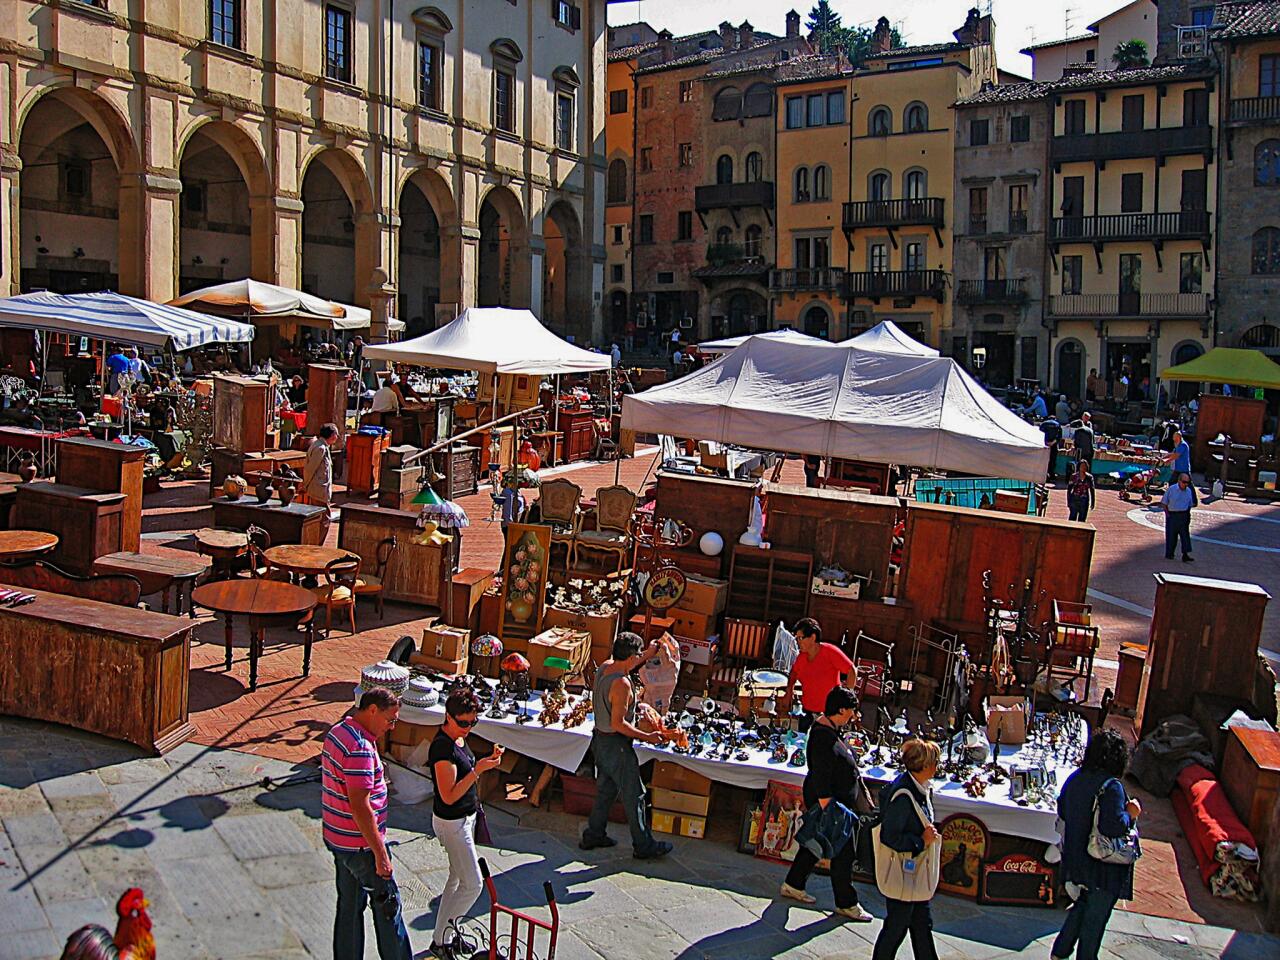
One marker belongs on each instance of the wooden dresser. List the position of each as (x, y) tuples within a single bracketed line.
[(89, 523), (416, 572), (296, 523), (1251, 777)]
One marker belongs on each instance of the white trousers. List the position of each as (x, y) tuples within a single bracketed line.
[(462, 889)]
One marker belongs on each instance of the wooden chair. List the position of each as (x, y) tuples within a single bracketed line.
[(260, 567), (338, 591), (370, 584), (1073, 644), (118, 588), (558, 507), (614, 509), (742, 647)]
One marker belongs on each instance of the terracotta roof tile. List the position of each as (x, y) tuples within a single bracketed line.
[(1005, 93), (1248, 19)]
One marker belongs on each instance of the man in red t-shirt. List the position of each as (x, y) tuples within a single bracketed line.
[(819, 668)]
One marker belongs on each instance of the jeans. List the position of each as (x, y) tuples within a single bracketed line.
[(1086, 922), (463, 887), (902, 917), (1078, 508), (618, 774), (1177, 526), (357, 880), (841, 873)]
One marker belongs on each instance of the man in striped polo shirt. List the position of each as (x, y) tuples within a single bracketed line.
[(354, 812)]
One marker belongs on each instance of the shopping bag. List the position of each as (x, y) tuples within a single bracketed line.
[(906, 876)]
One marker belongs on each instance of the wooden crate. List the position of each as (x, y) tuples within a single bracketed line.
[(242, 413)]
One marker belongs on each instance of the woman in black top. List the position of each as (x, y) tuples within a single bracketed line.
[(455, 772), (833, 775)]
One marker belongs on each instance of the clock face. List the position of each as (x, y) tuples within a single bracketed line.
[(665, 588)]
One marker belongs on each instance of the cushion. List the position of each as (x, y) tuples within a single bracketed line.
[(368, 583), (332, 594)]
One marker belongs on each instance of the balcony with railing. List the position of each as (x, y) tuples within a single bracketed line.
[(1018, 221), (920, 212), (1254, 109), (1193, 306), (1183, 225), (805, 279), (1160, 142), (874, 284), (1009, 290), (731, 196)]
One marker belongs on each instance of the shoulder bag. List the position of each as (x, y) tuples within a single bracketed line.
[(1122, 851), (906, 876)]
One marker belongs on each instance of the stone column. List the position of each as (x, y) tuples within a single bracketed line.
[(149, 235), (382, 306), (11, 261), (275, 236), (468, 267)]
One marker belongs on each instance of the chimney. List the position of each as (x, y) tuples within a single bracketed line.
[(665, 45), (970, 33), (727, 35), (882, 36), (793, 25), (746, 35)]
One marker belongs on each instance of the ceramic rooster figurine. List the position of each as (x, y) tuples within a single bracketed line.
[(132, 940)]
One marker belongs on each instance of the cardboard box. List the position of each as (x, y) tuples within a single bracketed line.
[(704, 595), (672, 776), (450, 668), (446, 643), (674, 801), (1007, 717), (701, 652), (571, 645), (694, 676), (680, 824), (823, 589), (657, 626), (690, 623), (603, 629)]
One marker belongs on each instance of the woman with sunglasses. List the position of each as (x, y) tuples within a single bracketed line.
[(455, 772)]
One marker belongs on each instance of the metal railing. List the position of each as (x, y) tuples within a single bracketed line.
[(1129, 305), (1164, 141), (1255, 108), (821, 278), (895, 283), (757, 193), (1183, 225), (992, 291), (925, 211)]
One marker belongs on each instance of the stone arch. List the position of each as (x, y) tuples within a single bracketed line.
[(1184, 351), (429, 272), (566, 273), (503, 263), (105, 117), (325, 227), (239, 145), (1069, 362), (817, 320)]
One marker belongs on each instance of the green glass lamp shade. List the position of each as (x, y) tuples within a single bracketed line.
[(428, 496), (557, 663)]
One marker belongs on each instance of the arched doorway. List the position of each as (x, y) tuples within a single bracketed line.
[(503, 263), (747, 313), (817, 322), (1183, 391), (617, 313), (80, 228), (328, 234), (418, 267), (566, 304), (1070, 367), (220, 173)]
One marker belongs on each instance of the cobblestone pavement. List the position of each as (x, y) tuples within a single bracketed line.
[(226, 846)]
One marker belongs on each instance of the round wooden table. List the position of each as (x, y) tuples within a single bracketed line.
[(302, 558), (160, 575), (222, 545), (22, 544), (264, 603)]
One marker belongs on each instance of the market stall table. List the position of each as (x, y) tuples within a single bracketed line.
[(265, 603), (157, 575), (303, 559), (25, 544)]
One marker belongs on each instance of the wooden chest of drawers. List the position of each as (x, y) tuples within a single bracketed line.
[(1251, 777)]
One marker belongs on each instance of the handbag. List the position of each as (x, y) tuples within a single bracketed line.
[(906, 876), (1122, 851), (481, 832)]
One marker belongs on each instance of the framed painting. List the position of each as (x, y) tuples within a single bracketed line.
[(780, 822), (524, 579), (965, 842)]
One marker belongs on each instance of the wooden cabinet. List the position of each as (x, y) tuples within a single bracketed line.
[(888, 623), (242, 413), (469, 585), (108, 468), (579, 431), (416, 572), (95, 666), (89, 523), (1204, 639), (327, 397), (1241, 418), (706, 504), (296, 523), (948, 549), (364, 461), (462, 470), (506, 446), (1251, 777), (769, 585)]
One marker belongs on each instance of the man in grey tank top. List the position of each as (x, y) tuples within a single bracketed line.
[(613, 701)]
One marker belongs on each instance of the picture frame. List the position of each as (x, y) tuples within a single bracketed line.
[(1019, 880), (750, 832), (780, 822), (965, 845), (524, 579)]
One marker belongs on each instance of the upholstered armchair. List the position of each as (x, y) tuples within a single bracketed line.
[(614, 508), (558, 501)]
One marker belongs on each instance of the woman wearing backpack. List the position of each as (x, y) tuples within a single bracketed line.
[(1098, 883), (906, 827)]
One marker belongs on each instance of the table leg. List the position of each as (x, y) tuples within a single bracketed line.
[(306, 646), (227, 641), (190, 588), (255, 648)]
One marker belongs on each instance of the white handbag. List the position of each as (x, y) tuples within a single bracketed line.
[(905, 876)]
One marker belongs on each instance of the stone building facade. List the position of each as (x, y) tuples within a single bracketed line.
[(411, 158)]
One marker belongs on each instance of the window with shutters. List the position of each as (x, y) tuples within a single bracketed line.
[(616, 274), (835, 108), (616, 182), (1190, 273), (1269, 75), (1266, 250), (1019, 129), (646, 159), (566, 14), (429, 58), (878, 186), (337, 43), (1131, 193), (1018, 207), (801, 185), (878, 258), (916, 119), (617, 101), (1072, 273), (565, 127), (978, 210), (1133, 113), (1195, 108), (504, 99), (752, 245), (816, 110), (913, 256), (754, 167), (617, 234), (684, 225), (686, 91), (646, 97), (879, 122), (822, 182), (1073, 118), (686, 154), (915, 185), (758, 101), (979, 133)]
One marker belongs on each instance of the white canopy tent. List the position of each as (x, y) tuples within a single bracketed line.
[(119, 319), (492, 340), (843, 401), (732, 343), (253, 299), (887, 337)]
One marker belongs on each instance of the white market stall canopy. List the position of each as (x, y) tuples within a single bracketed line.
[(120, 319), (887, 337), (492, 340), (842, 401), (267, 301), (732, 343)]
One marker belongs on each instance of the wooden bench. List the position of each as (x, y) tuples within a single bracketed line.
[(119, 589)]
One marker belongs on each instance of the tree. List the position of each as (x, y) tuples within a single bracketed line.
[(822, 18), (854, 42), (1130, 55)]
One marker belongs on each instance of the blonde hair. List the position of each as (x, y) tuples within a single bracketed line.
[(919, 754)]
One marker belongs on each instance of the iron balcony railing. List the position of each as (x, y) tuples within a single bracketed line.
[(1183, 225), (1153, 305), (895, 283), (820, 278), (992, 291), (1255, 108), (924, 211), (1161, 142), (722, 196)]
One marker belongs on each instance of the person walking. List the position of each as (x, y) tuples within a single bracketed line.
[(1082, 437), (818, 669), (1095, 886), (454, 809), (613, 702), (1180, 455), (1052, 431), (1081, 492), (833, 776), (1062, 409), (353, 812), (902, 829), (317, 473), (1177, 503)]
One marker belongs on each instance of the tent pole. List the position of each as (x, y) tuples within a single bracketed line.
[(555, 401)]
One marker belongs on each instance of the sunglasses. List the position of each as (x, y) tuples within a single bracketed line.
[(468, 724)]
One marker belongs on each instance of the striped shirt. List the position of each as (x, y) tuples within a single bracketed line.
[(349, 759)]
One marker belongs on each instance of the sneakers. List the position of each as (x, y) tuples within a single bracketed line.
[(854, 913), (795, 893), (591, 843), (659, 849)]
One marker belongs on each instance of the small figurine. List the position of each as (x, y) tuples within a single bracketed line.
[(798, 758)]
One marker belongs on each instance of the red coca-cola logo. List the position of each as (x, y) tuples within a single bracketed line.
[(1017, 863)]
